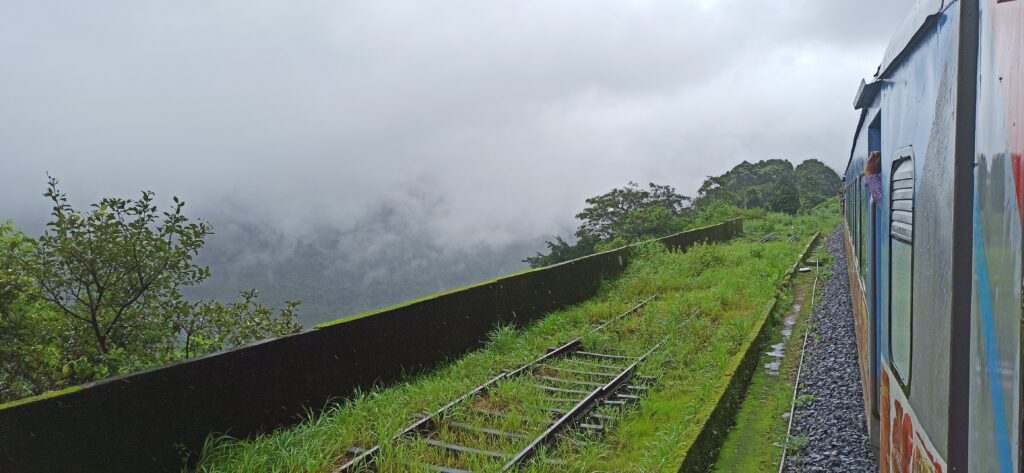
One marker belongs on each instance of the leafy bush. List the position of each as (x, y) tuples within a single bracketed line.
[(762, 193), (98, 294)]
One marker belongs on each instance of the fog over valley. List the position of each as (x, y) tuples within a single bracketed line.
[(356, 154), (391, 253)]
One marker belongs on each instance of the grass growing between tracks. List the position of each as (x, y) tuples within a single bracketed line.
[(756, 441), (720, 290), (730, 298)]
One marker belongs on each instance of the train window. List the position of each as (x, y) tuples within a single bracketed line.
[(901, 264)]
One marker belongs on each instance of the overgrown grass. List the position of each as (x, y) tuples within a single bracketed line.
[(720, 290), (757, 440)]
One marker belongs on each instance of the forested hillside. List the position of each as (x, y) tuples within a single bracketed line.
[(772, 185)]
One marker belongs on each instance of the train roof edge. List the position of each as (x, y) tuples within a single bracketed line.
[(914, 27)]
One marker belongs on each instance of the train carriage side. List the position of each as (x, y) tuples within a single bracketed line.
[(902, 249), (901, 244), (995, 352)]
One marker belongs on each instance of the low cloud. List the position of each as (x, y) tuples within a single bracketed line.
[(470, 124)]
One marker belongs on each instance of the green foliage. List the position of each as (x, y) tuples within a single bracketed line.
[(30, 335), (619, 217), (815, 182), (13, 281), (559, 251), (771, 184), (784, 198), (212, 326), (720, 292), (797, 444), (746, 185), (117, 268), (704, 257), (631, 214), (804, 400), (98, 294)]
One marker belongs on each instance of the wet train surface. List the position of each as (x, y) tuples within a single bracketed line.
[(936, 255)]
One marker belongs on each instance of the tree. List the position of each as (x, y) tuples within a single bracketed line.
[(559, 251), (99, 293), (632, 213), (211, 326), (118, 268), (649, 222), (618, 217), (13, 282), (755, 185), (815, 182), (784, 198), (613, 213), (29, 358), (747, 185)]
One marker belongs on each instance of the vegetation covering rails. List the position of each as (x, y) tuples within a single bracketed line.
[(719, 289), (757, 440)]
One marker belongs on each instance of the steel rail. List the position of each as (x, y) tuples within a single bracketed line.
[(623, 315), (573, 416), (429, 422), (799, 371), (426, 423), (582, 409)]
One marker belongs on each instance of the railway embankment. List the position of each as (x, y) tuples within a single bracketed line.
[(828, 432), (713, 307), (758, 439), (152, 420), (710, 310)]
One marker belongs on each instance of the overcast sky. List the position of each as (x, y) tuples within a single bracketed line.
[(487, 119)]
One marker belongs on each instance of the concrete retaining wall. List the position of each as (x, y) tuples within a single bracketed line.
[(143, 422)]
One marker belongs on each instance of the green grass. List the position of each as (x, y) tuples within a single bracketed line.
[(754, 443), (757, 440), (719, 291)]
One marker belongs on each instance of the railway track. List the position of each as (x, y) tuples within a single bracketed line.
[(512, 419), (771, 237)]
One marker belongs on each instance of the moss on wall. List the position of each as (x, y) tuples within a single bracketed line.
[(146, 419), (699, 452)]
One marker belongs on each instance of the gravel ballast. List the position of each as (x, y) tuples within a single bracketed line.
[(830, 411)]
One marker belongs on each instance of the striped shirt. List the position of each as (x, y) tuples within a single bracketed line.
[(874, 184)]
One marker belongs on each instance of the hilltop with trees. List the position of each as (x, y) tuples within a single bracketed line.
[(633, 213)]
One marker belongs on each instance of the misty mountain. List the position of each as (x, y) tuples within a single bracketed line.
[(339, 270)]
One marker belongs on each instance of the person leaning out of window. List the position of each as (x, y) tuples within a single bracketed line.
[(873, 176)]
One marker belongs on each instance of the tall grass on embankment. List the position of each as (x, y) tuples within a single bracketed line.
[(720, 291), (757, 440)]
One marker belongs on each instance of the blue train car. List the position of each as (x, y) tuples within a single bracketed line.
[(936, 256)]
